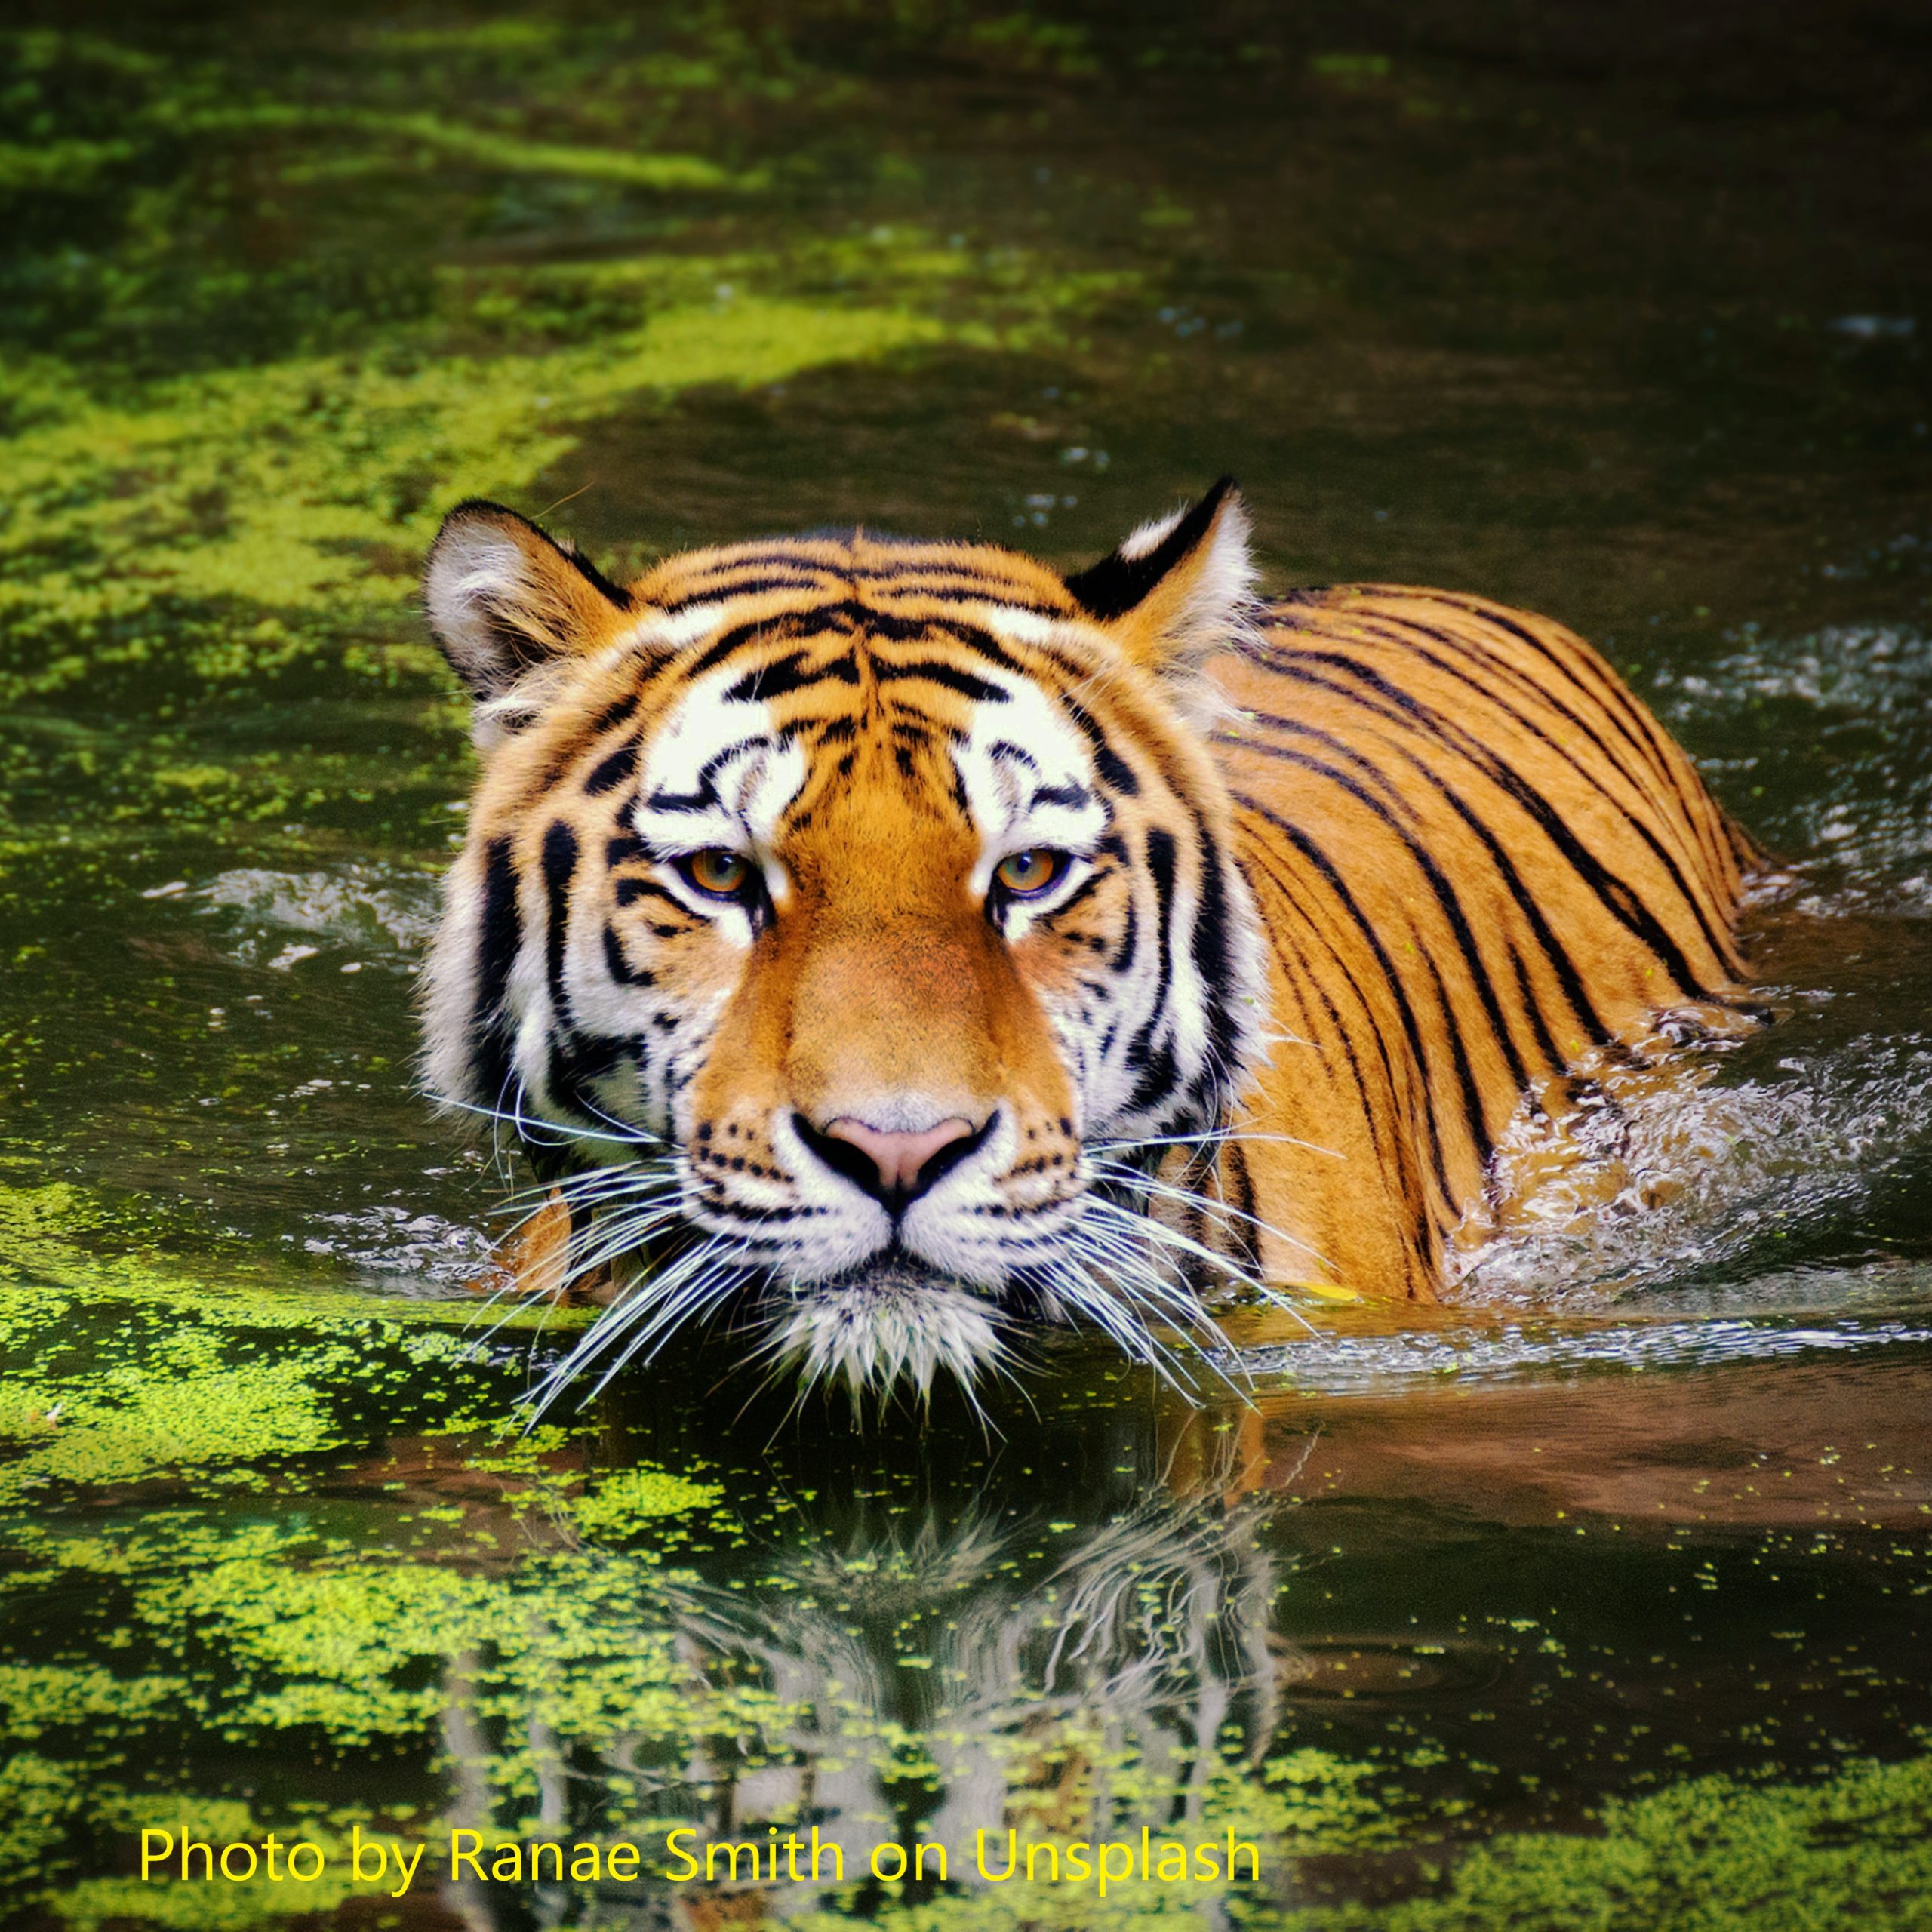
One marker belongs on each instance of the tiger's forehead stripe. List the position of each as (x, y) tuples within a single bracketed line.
[(941, 571), (943, 583), (785, 637)]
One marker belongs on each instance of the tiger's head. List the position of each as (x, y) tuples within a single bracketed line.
[(853, 913)]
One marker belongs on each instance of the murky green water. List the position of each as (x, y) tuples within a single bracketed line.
[(1599, 1599)]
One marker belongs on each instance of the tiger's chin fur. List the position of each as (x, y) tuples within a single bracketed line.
[(878, 947), (889, 1322)]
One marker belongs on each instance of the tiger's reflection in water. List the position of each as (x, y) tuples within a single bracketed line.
[(936, 1670)]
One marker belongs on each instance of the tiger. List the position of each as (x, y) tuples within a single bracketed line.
[(883, 948)]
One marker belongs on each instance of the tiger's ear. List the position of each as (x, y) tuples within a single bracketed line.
[(503, 597), (1178, 588)]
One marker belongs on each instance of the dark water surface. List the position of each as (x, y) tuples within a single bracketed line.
[(1599, 1598)]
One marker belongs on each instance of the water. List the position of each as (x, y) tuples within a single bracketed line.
[(1602, 1589)]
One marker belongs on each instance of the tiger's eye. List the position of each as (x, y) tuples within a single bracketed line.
[(719, 873), (1027, 875)]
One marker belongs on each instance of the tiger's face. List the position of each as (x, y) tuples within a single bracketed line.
[(843, 910)]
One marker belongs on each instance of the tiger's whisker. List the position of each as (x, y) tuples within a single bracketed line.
[(1225, 1209), (1172, 1238), (1218, 1137), (539, 1132), (1116, 1313), (660, 1304)]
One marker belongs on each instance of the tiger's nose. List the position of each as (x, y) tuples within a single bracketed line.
[(896, 1166)]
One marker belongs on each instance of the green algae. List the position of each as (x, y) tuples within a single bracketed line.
[(63, 1246), (629, 1500), (237, 1907), (189, 1417), (1715, 1854), (301, 487), (226, 1905), (40, 1798), (221, 526), (281, 1630), (436, 136), (37, 1698), (122, 1369)]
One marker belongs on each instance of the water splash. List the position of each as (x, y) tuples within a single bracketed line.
[(1839, 773)]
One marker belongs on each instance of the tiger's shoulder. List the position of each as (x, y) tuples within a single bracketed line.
[(1479, 858)]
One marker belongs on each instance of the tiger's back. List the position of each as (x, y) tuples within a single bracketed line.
[(1478, 856)]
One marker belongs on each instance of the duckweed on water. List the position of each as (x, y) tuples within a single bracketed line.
[(629, 1499), (265, 493), (1714, 1853)]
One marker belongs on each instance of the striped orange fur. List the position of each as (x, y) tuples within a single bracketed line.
[(899, 942)]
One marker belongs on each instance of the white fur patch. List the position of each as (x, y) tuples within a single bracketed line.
[(671, 631), (1020, 766), (1023, 626), (1217, 610), (717, 774), (476, 571), (1152, 534), (891, 1323)]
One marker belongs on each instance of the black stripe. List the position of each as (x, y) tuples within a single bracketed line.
[(887, 672), (1648, 738), (1085, 890), (787, 674), (752, 585), (1156, 1068), (1612, 892), (618, 967), (560, 851), (577, 1062), (614, 770), (629, 890), (1211, 948), (846, 617), (1645, 786), (499, 940), (705, 796), (1113, 769), (1233, 1168), (1123, 957), (1320, 860), (977, 638), (784, 626), (1553, 1055), (1626, 713), (1377, 1136), (612, 715), (1475, 1117), (1719, 943), (1446, 895), (1397, 1157), (1072, 795), (778, 568)]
